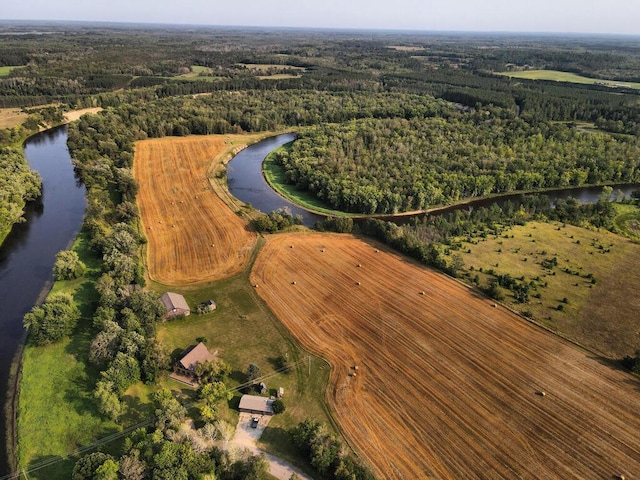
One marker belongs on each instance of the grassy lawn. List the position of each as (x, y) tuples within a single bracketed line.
[(4, 71), (56, 410), (627, 221), (200, 69), (557, 76), (580, 253), (274, 174), (11, 117), (244, 331)]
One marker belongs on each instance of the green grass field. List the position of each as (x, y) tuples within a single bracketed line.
[(627, 221), (200, 69), (243, 331), (558, 76), (4, 71), (274, 174), (56, 410), (613, 261)]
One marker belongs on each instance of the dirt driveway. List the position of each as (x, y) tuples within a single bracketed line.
[(246, 437)]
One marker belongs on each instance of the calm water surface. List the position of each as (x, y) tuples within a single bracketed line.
[(246, 182), (28, 254)]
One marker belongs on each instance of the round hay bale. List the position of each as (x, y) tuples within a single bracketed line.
[(494, 305), (377, 250), (422, 293), (290, 246), (255, 286), (358, 283), (359, 265), (322, 250), (293, 283), (355, 367)]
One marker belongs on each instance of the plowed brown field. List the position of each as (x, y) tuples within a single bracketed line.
[(447, 385), (193, 237)]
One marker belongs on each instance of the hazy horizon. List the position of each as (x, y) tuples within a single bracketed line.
[(617, 17)]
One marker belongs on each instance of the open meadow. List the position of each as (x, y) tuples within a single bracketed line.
[(12, 117), (432, 380), (193, 236), (582, 283), (569, 77)]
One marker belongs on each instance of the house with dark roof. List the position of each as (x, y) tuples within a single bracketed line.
[(175, 305), (184, 369)]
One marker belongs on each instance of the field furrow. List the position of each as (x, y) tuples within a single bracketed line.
[(447, 385), (193, 237)]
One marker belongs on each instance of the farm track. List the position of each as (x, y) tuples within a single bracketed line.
[(193, 236), (447, 385)]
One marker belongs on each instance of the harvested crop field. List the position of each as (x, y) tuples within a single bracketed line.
[(447, 385), (193, 236)]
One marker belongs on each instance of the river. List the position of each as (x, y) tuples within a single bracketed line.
[(247, 183), (28, 254)]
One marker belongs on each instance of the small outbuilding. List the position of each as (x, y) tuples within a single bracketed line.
[(206, 307), (256, 405), (175, 305)]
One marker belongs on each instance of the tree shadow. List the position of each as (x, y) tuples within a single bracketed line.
[(238, 376), (50, 467)]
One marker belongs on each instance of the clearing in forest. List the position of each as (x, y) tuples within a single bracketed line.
[(11, 117), (581, 283), (193, 236), (431, 379), (569, 77)]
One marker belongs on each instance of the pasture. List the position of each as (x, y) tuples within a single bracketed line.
[(6, 70), (11, 117), (558, 76), (193, 236), (595, 271), (432, 380)]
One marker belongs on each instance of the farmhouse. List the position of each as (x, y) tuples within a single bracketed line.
[(256, 405), (185, 368), (175, 304)]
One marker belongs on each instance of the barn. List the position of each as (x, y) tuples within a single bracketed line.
[(175, 305), (256, 405)]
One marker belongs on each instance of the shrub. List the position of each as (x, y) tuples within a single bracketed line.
[(68, 266), (52, 321), (278, 406)]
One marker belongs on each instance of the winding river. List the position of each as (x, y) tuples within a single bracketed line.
[(28, 254), (247, 183)]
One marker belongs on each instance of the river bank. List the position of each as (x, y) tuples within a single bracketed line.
[(27, 257)]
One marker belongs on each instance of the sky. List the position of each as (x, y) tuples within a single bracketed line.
[(561, 16)]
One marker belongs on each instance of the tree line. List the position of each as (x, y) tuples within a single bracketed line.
[(393, 165)]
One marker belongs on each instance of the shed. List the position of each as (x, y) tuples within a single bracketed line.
[(174, 304), (186, 366), (256, 405)]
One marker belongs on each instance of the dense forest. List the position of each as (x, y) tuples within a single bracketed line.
[(387, 166), (386, 122)]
